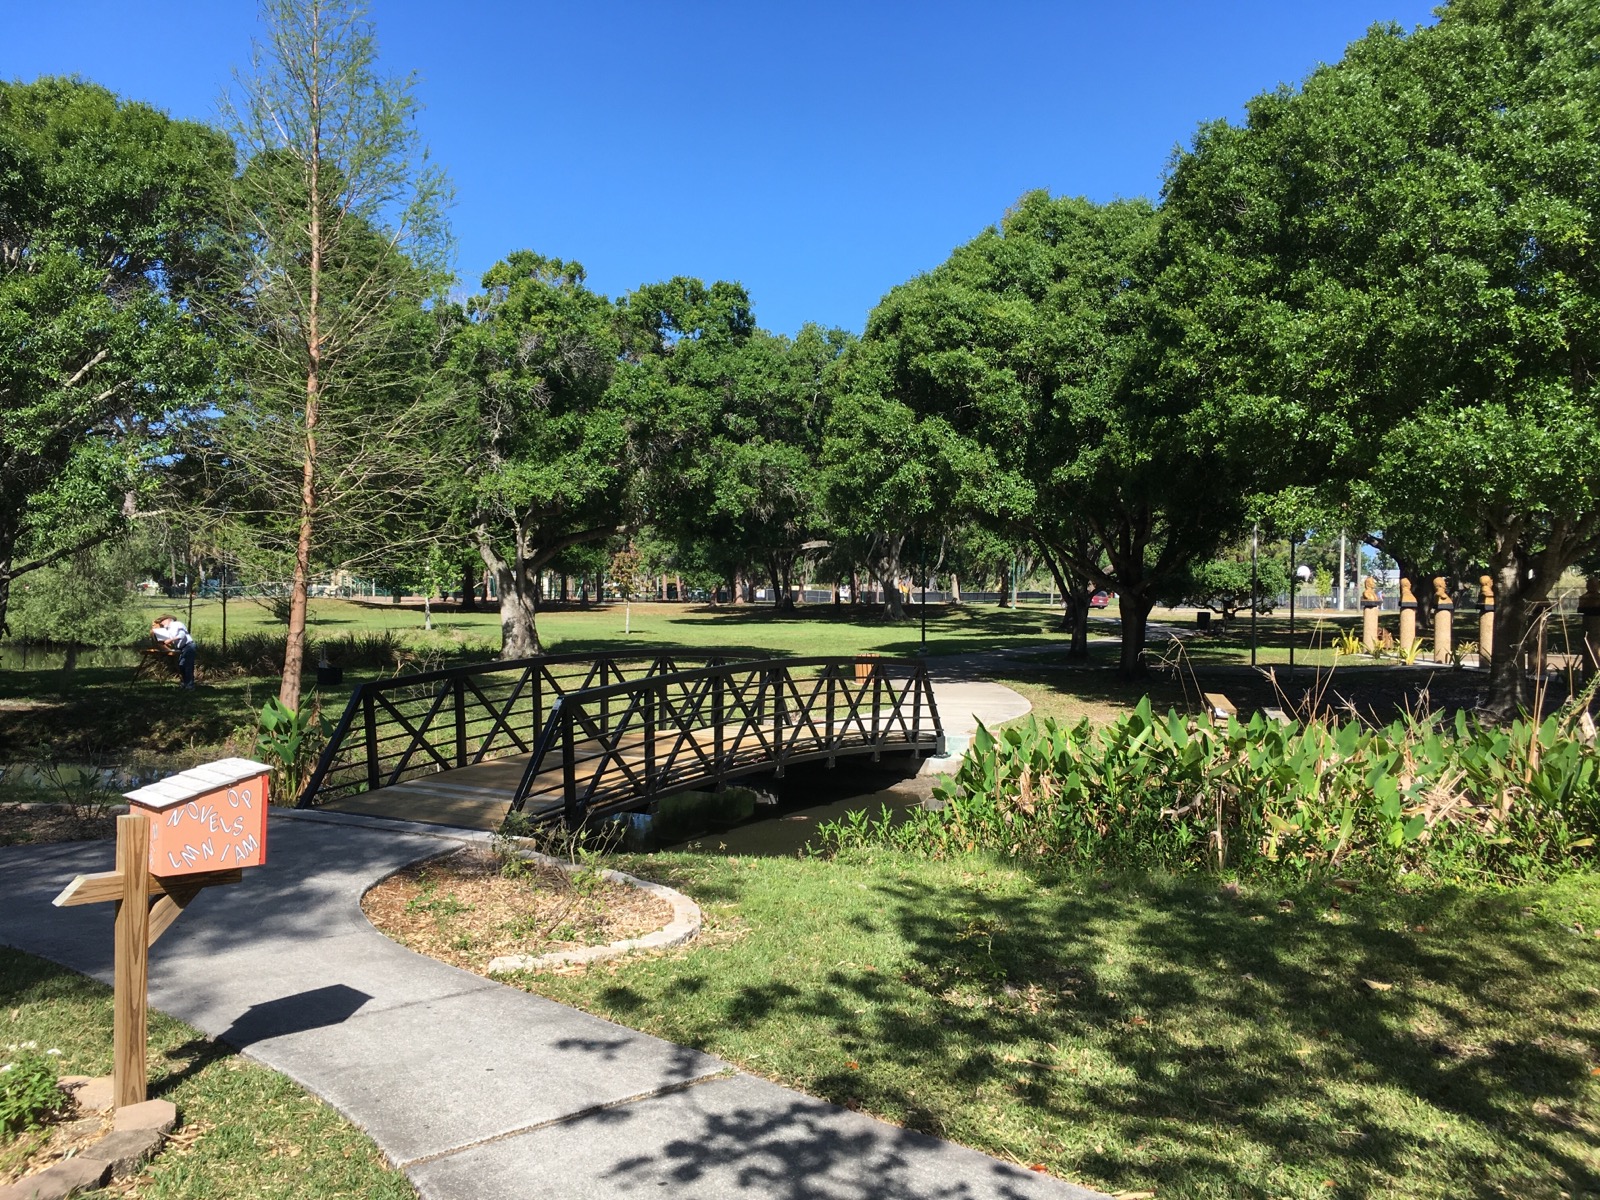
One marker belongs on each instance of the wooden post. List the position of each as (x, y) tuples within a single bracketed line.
[(1369, 626), (1443, 620), (1485, 620), (130, 1003)]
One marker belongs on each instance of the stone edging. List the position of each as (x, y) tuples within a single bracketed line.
[(685, 924)]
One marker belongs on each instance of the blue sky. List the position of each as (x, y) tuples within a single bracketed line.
[(820, 153)]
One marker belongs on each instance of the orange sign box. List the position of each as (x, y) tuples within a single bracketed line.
[(210, 818)]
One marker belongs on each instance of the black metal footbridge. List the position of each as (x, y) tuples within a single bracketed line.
[(574, 736)]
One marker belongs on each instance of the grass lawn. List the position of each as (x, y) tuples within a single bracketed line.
[(1153, 1035), (246, 1131), (98, 713)]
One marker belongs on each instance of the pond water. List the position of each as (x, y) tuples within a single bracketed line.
[(807, 797), (39, 657), (73, 776)]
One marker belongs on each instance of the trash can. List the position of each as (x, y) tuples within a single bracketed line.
[(1202, 619), (330, 676)]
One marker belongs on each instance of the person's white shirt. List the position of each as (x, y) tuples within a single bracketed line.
[(171, 633)]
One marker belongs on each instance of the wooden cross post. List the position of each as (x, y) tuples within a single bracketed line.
[(147, 905)]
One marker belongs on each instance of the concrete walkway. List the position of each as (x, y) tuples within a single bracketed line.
[(477, 1090), (964, 701)]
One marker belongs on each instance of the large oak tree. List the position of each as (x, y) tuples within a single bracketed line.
[(109, 215)]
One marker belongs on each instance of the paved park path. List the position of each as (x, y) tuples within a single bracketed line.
[(479, 1091)]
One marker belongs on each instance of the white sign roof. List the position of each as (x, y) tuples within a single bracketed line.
[(196, 781)]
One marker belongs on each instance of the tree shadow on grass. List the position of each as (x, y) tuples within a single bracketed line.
[(1163, 1034)]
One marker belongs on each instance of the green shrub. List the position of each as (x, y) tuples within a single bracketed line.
[(290, 740), (29, 1092), (85, 600), (262, 653), (1175, 792)]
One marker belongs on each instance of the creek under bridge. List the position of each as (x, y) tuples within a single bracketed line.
[(569, 737)]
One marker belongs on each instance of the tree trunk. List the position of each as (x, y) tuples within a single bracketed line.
[(469, 601), (1135, 619), (519, 628), (519, 598), (1516, 629), (7, 542), (886, 570), (295, 641), (855, 588)]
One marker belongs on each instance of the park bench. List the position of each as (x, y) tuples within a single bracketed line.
[(1220, 706)]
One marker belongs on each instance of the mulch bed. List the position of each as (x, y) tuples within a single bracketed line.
[(33, 824), (472, 906)]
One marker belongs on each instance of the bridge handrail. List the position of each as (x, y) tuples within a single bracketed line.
[(559, 725), (365, 697)]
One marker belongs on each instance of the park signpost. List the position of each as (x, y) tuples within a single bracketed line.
[(197, 829)]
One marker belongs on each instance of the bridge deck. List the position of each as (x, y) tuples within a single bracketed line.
[(477, 797)]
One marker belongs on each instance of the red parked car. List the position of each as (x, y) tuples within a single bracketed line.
[(1100, 600)]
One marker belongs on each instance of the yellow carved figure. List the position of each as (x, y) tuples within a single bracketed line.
[(1486, 583), (1369, 590), (1441, 593), (1406, 596)]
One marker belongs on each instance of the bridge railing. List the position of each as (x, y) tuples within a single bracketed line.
[(669, 731), (397, 729)]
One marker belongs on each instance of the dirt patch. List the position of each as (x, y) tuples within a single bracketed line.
[(34, 824), (470, 907)]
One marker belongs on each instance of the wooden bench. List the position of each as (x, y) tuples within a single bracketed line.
[(1220, 706)]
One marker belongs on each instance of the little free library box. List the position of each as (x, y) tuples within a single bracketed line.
[(210, 818)]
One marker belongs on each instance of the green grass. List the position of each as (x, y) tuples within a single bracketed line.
[(100, 714), (1153, 1034), (259, 1135)]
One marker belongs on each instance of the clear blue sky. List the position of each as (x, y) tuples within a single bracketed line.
[(818, 152)]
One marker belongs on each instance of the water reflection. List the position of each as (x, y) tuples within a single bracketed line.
[(43, 656), (807, 797)]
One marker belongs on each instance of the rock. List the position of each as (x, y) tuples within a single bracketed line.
[(92, 1095), (160, 1115), (58, 1181), (125, 1150)]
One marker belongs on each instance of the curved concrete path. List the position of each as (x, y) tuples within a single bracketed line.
[(963, 702), (479, 1091)]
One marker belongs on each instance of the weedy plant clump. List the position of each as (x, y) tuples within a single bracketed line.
[(1460, 800), (29, 1090)]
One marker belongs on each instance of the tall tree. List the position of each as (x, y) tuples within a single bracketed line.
[(555, 458), (1399, 268), (1040, 347), (339, 221), (743, 488), (108, 221)]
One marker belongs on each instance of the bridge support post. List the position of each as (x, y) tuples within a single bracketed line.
[(569, 771), (460, 697), (877, 717), (718, 751), (833, 683), (370, 712), (649, 701)]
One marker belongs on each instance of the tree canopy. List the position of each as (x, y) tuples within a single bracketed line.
[(109, 216)]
